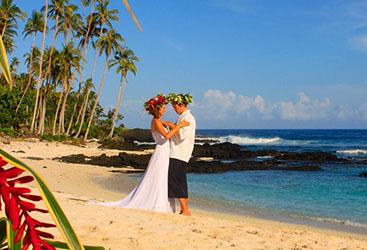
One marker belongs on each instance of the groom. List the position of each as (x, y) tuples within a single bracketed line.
[(182, 145)]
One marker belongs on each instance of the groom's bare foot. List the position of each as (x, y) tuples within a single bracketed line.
[(186, 213)]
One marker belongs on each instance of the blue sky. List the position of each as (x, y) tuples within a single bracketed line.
[(247, 63)]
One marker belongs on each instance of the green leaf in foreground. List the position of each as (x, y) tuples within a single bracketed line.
[(62, 245), (4, 65), (5, 230), (54, 208)]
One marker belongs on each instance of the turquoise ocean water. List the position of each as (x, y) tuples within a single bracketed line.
[(333, 198)]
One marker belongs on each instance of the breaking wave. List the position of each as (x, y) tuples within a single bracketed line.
[(352, 152), (244, 140)]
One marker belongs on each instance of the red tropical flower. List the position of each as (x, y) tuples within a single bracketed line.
[(17, 209)]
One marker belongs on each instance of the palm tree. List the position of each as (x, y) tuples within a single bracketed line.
[(87, 87), (70, 21), (34, 24), (45, 89), (14, 65), (71, 59), (9, 12), (56, 10), (103, 16), (68, 58), (108, 44), (40, 68), (61, 77), (124, 60), (86, 32)]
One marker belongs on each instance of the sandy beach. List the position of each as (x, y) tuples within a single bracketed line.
[(75, 185)]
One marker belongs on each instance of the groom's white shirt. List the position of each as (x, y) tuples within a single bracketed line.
[(183, 145)]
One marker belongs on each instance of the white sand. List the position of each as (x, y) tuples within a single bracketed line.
[(116, 228)]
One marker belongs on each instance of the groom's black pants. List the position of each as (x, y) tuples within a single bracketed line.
[(177, 183)]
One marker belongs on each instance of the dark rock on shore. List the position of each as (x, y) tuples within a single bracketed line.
[(239, 159), (120, 144), (137, 134), (140, 162), (219, 151), (121, 160), (308, 156), (34, 158), (219, 167), (233, 151)]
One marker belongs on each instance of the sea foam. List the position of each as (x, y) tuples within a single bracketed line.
[(352, 152), (244, 140)]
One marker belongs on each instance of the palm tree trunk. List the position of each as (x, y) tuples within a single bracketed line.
[(95, 54), (52, 46), (66, 37), (85, 47), (83, 113), (40, 72), (80, 111), (41, 110), (62, 113), (41, 128), (78, 94), (84, 53), (72, 116), (120, 94), (3, 31), (29, 75), (58, 107), (95, 104)]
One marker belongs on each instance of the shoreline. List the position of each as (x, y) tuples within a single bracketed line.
[(212, 209), (74, 187), (123, 183)]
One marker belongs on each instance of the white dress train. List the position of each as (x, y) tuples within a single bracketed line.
[(152, 191)]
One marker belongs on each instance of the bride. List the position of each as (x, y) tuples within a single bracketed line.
[(152, 191)]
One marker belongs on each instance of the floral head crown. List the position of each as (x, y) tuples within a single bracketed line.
[(158, 100), (180, 98)]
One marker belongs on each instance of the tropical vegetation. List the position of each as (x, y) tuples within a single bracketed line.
[(47, 89), (55, 97)]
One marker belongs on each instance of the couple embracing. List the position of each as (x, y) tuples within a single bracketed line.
[(165, 177)]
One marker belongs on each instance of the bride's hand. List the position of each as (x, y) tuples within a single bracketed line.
[(165, 123), (168, 124)]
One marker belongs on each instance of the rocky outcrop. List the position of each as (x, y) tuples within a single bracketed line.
[(239, 158), (195, 166)]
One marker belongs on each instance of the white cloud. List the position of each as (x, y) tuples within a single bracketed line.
[(244, 103), (228, 110), (218, 106), (344, 113), (259, 104), (304, 109)]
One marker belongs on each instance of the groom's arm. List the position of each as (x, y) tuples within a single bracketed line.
[(187, 131)]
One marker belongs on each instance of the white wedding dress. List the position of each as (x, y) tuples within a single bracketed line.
[(152, 191)]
